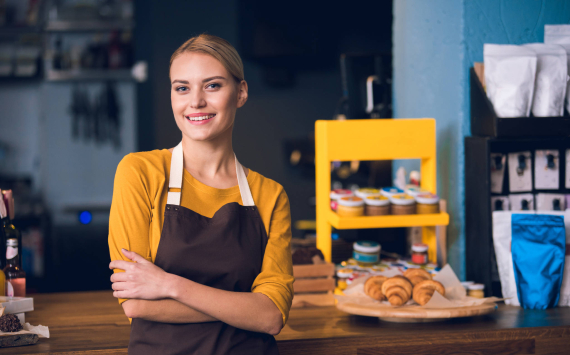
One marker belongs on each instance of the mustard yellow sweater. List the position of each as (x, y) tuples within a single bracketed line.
[(137, 215)]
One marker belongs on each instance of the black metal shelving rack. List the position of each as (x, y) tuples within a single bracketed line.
[(492, 134)]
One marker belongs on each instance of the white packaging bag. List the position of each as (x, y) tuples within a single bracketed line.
[(560, 34), (502, 236), (550, 82), (557, 34), (510, 75)]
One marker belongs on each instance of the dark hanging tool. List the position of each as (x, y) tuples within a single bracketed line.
[(498, 162), (556, 205), (550, 164), (498, 205), (522, 164), (524, 205)]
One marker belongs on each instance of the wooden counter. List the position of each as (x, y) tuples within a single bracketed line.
[(93, 323)]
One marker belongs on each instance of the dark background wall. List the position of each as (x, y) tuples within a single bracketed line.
[(273, 113)]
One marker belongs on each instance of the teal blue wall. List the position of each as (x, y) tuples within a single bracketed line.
[(435, 42)]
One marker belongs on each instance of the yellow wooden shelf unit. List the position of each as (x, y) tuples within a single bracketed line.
[(375, 139)]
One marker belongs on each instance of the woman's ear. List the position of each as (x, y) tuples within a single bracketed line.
[(242, 93)]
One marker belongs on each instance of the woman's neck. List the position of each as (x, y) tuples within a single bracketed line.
[(211, 162)]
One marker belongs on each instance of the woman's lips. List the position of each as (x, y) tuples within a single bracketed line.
[(202, 122)]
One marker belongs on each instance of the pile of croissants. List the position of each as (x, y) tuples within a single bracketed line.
[(415, 283)]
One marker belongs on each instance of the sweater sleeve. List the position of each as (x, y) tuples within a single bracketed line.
[(129, 220), (276, 277)]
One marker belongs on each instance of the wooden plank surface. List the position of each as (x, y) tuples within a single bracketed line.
[(94, 323)]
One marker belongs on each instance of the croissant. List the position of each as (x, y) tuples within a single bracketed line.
[(417, 275), (373, 287), (424, 290), (397, 289)]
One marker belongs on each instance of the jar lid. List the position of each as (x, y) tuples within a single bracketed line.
[(414, 190), (476, 287), (366, 191), (427, 199), (351, 201), (419, 248), (402, 199), (338, 193), (377, 200), (344, 273), (389, 191), (366, 246), (467, 283)]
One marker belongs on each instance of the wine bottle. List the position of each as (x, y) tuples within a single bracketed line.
[(9, 228), (15, 276), (3, 214)]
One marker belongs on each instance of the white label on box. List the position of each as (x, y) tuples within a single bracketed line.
[(522, 202), (498, 161), (546, 169), (550, 202), (568, 168), (500, 203), (520, 173)]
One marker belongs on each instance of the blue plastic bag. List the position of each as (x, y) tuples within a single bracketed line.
[(538, 249)]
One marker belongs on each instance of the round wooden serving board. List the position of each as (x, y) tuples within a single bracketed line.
[(410, 314)]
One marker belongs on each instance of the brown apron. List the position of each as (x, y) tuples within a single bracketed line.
[(225, 252)]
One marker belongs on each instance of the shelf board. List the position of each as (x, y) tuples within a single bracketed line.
[(88, 74), (88, 26), (390, 221)]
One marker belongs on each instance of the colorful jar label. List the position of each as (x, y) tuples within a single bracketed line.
[(365, 258)]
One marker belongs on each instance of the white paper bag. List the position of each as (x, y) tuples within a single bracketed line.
[(509, 76), (550, 82), (502, 236)]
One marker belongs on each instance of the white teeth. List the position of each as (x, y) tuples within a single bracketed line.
[(200, 118)]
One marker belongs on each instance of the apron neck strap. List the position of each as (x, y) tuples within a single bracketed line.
[(177, 172)]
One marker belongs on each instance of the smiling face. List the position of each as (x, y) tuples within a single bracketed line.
[(204, 97)]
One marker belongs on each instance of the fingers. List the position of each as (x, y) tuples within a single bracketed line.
[(119, 286), (133, 256), (119, 277), (120, 264), (121, 294)]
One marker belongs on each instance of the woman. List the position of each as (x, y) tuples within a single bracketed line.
[(202, 265)]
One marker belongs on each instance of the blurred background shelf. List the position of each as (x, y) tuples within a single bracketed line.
[(89, 74), (88, 26), (390, 221)]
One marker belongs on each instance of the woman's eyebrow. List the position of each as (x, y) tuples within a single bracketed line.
[(205, 80)]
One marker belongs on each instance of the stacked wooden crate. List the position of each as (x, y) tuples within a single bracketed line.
[(314, 285)]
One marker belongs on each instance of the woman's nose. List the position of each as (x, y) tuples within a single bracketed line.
[(197, 99)]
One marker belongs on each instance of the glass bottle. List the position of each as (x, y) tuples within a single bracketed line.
[(15, 276), (6, 221)]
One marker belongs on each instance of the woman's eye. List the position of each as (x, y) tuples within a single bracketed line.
[(213, 85), (181, 88)]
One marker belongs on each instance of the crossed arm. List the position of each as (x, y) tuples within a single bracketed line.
[(156, 295)]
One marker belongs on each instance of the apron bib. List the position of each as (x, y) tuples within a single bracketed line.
[(225, 252)]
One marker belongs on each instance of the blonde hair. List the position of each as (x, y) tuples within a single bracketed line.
[(218, 48)]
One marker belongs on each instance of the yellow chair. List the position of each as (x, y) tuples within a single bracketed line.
[(376, 139)]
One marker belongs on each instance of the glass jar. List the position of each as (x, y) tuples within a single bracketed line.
[(343, 276), (419, 253), (337, 194), (376, 205), (427, 204), (476, 290), (363, 193), (366, 252), (403, 204), (350, 207), (391, 191), (414, 190)]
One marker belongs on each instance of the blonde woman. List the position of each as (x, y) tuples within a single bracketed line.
[(199, 244)]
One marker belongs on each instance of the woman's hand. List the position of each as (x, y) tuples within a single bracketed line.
[(141, 279)]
